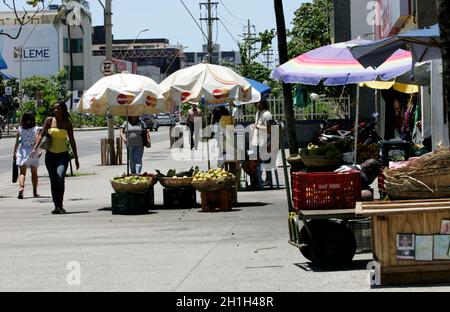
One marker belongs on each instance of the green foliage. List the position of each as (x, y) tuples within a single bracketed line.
[(311, 30), (311, 27), (48, 89), (250, 49)]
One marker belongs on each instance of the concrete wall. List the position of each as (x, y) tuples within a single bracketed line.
[(360, 11), (439, 128)]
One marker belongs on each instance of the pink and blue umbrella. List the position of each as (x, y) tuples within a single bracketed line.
[(335, 65)]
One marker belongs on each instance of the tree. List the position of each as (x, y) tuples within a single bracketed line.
[(48, 90), (287, 89), (24, 19), (69, 13), (311, 27), (444, 25), (311, 30)]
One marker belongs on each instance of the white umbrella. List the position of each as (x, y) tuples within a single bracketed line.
[(217, 84), (124, 95)]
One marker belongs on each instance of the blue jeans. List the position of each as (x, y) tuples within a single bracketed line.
[(57, 164), (135, 154)]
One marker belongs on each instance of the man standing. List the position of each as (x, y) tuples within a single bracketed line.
[(194, 113)]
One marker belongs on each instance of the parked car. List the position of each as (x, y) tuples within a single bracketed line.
[(150, 122), (165, 119)]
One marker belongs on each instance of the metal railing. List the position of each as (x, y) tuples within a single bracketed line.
[(323, 108)]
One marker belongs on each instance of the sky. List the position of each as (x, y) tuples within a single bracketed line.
[(170, 19)]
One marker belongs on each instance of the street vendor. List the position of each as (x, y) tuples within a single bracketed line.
[(370, 170)]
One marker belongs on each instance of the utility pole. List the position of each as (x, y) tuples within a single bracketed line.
[(209, 20), (108, 50), (268, 58), (248, 36)]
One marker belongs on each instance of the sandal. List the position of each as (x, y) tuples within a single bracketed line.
[(20, 196)]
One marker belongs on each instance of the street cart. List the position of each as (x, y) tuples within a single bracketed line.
[(322, 220)]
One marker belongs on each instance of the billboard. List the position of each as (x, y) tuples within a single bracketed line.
[(40, 50)]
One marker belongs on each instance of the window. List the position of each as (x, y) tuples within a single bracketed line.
[(66, 45), (34, 21), (77, 73), (77, 45)]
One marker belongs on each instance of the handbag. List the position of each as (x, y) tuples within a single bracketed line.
[(145, 138), (15, 171), (45, 143)]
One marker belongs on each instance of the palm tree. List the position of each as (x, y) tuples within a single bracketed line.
[(444, 24), (66, 15), (287, 89)]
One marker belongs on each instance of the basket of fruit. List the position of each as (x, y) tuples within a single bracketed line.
[(294, 159), (213, 180), (172, 179), (133, 183), (323, 156)]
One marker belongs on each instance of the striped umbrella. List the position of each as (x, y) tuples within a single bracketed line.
[(335, 65)]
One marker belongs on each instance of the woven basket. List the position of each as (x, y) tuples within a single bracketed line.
[(133, 188), (174, 182), (321, 161), (214, 185)]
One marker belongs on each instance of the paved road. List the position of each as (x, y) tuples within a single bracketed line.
[(88, 143), (173, 250)]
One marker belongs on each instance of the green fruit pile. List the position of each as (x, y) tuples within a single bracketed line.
[(132, 179), (329, 150), (214, 175)]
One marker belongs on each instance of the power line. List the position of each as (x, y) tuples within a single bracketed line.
[(234, 39), (204, 35), (232, 15), (231, 24)]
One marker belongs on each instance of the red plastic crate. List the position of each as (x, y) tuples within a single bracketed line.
[(326, 190)]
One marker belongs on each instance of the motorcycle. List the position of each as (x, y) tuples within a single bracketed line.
[(339, 131), (367, 133)]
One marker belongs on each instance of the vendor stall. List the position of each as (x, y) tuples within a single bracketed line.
[(411, 240)]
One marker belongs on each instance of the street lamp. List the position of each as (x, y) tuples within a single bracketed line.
[(131, 45), (313, 97)]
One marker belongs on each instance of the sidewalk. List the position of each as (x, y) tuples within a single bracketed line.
[(244, 250)]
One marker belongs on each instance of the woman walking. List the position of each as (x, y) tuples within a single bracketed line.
[(25, 141), (134, 141), (57, 158)]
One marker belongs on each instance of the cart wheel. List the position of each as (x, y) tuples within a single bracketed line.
[(305, 238), (333, 246)]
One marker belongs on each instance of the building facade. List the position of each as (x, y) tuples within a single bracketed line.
[(144, 52), (43, 47)]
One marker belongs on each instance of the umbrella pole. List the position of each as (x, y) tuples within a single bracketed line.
[(207, 140), (128, 152), (356, 124)]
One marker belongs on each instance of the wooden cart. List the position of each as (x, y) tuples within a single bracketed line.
[(420, 217), (324, 236)]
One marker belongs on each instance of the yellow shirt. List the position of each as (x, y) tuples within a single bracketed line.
[(58, 140)]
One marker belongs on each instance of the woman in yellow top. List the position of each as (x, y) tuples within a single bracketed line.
[(57, 156)]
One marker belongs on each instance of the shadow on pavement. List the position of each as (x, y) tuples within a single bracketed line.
[(250, 204), (355, 265)]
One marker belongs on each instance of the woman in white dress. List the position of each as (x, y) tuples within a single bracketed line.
[(25, 140)]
